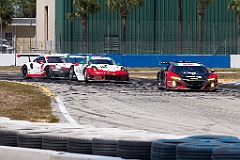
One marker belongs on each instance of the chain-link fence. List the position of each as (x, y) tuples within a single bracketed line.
[(146, 37)]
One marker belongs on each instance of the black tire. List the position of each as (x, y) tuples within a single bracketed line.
[(160, 79), (85, 76), (197, 150), (48, 73), (54, 142), (220, 138), (166, 148), (71, 73), (227, 153), (8, 138), (24, 73)]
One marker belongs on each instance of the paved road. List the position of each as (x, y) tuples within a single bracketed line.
[(140, 105)]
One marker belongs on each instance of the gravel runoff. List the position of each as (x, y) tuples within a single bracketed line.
[(139, 105)]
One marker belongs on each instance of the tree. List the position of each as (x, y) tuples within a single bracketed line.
[(6, 15), (6, 12), (123, 6), (180, 26), (25, 8), (234, 5), (82, 8), (201, 10)]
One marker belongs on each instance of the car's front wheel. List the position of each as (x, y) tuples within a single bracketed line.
[(85, 76), (48, 73), (160, 81)]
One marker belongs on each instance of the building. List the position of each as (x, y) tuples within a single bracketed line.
[(20, 35), (151, 28)]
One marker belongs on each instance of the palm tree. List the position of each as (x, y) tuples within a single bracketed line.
[(180, 26), (234, 5), (201, 10), (124, 7), (82, 8)]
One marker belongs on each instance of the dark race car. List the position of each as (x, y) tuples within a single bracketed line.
[(184, 75)]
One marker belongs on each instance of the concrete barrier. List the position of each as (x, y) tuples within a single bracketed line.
[(146, 60), (16, 153), (235, 61)]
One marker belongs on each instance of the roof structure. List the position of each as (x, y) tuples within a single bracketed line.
[(23, 22)]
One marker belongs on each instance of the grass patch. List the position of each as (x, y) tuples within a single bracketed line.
[(10, 68), (23, 102)]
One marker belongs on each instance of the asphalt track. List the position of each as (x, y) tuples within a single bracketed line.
[(139, 105)]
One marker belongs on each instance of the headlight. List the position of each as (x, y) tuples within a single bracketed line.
[(212, 85), (174, 83), (122, 69), (211, 79), (94, 68), (176, 78)]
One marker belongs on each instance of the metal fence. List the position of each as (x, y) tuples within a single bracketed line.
[(146, 37)]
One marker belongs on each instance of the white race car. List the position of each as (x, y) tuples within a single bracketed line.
[(98, 68), (46, 65)]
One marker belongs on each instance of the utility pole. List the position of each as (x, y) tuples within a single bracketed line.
[(30, 36), (1, 33)]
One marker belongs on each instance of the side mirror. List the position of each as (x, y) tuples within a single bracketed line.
[(165, 69), (119, 64)]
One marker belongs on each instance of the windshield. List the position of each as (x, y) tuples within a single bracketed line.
[(189, 70), (101, 61), (57, 60)]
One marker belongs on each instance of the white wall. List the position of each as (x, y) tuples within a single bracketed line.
[(12, 60), (235, 61)]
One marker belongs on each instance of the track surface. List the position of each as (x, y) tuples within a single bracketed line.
[(140, 105)]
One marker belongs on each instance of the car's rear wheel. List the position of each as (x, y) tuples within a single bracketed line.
[(48, 73), (71, 73), (24, 72)]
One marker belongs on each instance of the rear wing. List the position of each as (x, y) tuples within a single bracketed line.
[(165, 62), (78, 58), (169, 62), (28, 55)]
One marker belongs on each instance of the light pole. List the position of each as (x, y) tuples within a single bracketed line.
[(30, 36), (1, 36)]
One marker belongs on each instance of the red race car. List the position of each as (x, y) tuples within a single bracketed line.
[(183, 75), (101, 68)]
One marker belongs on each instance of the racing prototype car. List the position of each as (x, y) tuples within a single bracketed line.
[(183, 75), (46, 65), (98, 68)]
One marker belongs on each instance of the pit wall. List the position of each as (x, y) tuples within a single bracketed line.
[(146, 60)]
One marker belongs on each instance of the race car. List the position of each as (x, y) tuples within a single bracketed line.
[(45, 65), (185, 75), (98, 68)]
